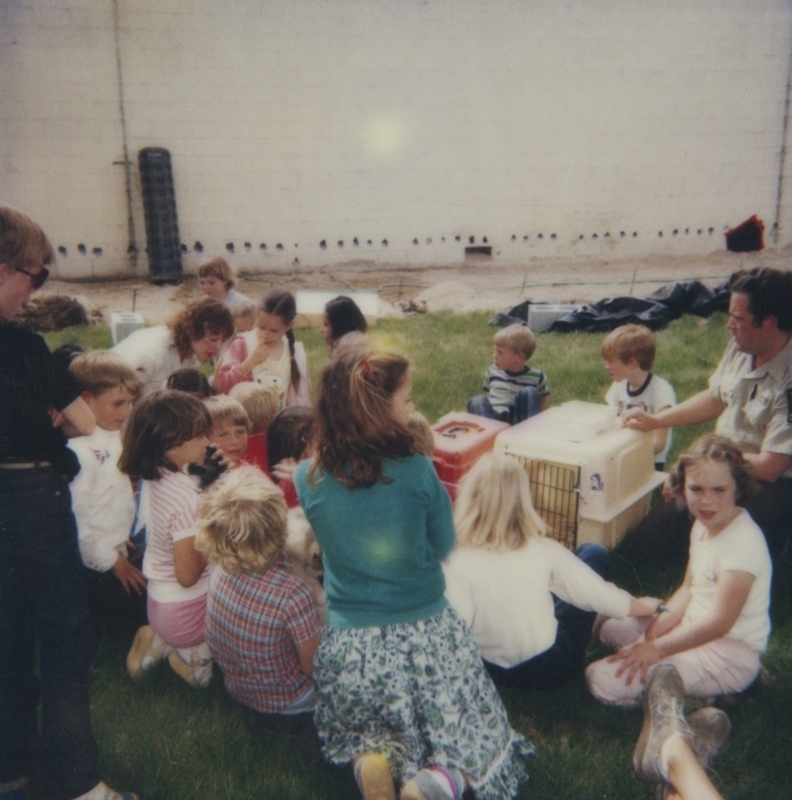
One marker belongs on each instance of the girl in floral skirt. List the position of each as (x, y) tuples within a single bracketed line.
[(402, 693)]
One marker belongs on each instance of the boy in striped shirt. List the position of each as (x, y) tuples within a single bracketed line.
[(514, 390)]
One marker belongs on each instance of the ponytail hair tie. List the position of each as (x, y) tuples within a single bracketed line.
[(369, 371)]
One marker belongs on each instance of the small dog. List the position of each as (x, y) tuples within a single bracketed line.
[(305, 556)]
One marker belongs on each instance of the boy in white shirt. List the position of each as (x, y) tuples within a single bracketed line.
[(102, 496), (629, 352)]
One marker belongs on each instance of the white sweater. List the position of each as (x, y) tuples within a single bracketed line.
[(505, 596), (102, 499)]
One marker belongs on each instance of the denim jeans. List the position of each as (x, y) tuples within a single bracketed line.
[(564, 658), (526, 403), (42, 596)]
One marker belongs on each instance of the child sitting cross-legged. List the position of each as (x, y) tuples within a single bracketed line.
[(262, 625), (102, 497), (716, 625), (529, 601), (514, 391)]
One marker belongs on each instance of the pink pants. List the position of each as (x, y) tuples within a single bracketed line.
[(180, 624), (722, 666)]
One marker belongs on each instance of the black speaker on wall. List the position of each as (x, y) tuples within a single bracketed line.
[(162, 222)]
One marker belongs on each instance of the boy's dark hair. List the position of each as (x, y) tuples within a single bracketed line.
[(769, 292), (344, 316), (289, 434), (199, 319), (192, 381), (159, 422), (23, 243)]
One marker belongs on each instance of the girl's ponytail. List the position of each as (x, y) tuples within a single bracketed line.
[(295, 370)]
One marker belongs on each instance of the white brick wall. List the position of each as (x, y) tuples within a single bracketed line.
[(295, 122)]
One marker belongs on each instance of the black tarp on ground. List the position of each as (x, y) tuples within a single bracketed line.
[(667, 303)]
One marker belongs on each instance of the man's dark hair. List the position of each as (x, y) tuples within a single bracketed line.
[(769, 291)]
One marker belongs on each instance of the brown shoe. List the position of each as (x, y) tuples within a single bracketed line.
[(663, 702), (711, 728)]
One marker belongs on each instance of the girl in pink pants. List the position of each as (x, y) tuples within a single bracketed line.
[(715, 626)]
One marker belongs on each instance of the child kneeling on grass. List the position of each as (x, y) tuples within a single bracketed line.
[(167, 433), (529, 601), (401, 691), (715, 627), (262, 625)]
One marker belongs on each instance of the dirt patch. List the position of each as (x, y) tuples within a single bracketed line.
[(467, 287)]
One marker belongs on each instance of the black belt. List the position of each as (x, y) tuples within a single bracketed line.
[(24, 464)]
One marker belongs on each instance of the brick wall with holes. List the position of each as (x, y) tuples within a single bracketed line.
[(406, 131)]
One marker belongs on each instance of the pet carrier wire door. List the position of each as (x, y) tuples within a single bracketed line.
[(554, 492)]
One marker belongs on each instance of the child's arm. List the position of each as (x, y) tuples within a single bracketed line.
[(188, 563), (305, 654), (229, 372), (730, 596), (131, 578)]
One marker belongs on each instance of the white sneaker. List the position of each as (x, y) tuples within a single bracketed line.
[(103, 792)]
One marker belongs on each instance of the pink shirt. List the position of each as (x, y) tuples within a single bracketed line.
[(171, 510)]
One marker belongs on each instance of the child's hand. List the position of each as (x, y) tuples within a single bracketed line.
[(284, 470), (638, 420), (132, 579), (637, 660)]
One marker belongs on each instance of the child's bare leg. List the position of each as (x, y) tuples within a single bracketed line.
[(373, 777), (686, 777)]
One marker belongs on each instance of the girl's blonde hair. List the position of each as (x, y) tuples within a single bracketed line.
[(225, 410), (355, 428), (259, 402), (493, 508), (242, 522), (721, 450)]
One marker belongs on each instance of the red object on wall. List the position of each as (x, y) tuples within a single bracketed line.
[(747, 237)]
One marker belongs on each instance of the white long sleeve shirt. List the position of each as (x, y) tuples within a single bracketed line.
[(505, 597), (102, 499)]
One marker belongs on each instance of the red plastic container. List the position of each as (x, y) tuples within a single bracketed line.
[(460, 440)]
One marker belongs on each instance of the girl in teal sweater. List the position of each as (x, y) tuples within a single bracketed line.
[(401, 690)]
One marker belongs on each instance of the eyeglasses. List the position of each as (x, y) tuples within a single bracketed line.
[(38, 279)]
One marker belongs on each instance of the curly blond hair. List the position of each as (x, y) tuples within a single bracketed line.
[(242, 522)]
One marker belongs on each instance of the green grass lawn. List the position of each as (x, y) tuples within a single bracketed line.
[(169, 742)]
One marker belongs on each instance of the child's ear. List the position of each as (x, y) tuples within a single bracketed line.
[(88, 398)]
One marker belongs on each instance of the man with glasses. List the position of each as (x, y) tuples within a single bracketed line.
[(42, 583)]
